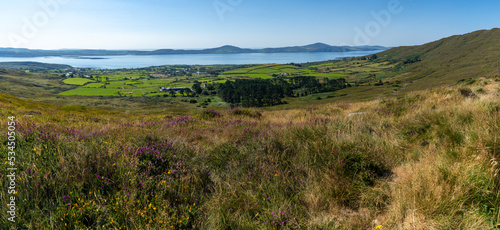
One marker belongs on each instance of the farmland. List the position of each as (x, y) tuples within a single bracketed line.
[(147, 82), (77, 81), (136, 90)]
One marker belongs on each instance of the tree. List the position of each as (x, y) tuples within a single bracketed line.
[(197, 88)]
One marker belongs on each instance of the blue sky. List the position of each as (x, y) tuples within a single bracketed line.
[(192, 24)]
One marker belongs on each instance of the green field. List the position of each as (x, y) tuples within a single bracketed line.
[(245, 75), (219, 81), (129, 84), (77, 81), (270, 70), (91, 92), (156, 94), (94, 85), (327, 75)]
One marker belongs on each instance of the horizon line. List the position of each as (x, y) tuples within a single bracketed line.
[(153, 49)]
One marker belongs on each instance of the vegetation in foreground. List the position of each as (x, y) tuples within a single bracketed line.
[(428, 160)]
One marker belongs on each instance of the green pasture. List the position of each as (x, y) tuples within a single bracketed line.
[(262, 76), (91, 92), (327, 75), (93, 85), (77, 81)]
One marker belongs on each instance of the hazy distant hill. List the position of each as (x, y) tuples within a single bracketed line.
[(321, 47), (475, 54), (33, 65), (318, 47)]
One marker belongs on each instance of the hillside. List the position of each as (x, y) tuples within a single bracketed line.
[(448, 60), (428, 160), (28, 85), (33, 66)]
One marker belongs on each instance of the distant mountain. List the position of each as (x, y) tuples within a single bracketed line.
[(317, 47), (321, 47)]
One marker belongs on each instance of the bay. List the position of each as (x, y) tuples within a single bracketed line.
[(138, 61)]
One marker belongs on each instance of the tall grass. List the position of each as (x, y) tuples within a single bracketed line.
[(428, 160)]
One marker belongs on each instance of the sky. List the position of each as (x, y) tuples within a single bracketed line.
[(196, 24)]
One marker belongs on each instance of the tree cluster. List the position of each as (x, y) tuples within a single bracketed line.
[(270, 92)]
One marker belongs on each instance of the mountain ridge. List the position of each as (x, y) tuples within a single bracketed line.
[(226, 49)]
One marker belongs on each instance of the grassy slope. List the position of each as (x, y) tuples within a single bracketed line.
[(448, 60), (428, 160), (30, 85)]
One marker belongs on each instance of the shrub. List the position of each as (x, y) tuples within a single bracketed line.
[(412, 59), (211, 114), (466, 92), (244, 112), (468, 81)]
